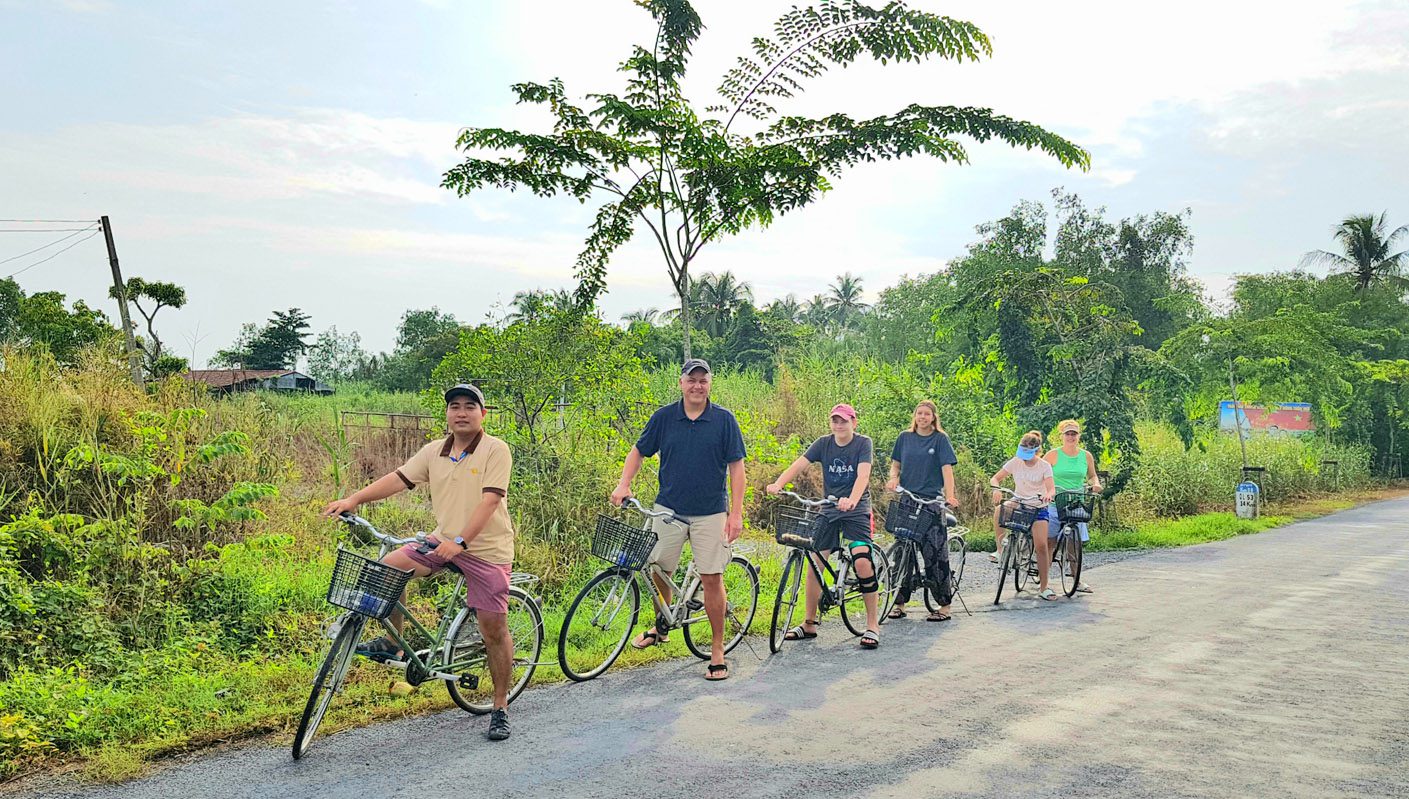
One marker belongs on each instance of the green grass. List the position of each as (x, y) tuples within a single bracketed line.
[(1199, 529)]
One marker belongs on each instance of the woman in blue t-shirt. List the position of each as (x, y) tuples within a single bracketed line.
[(922, 462), (845, 458)]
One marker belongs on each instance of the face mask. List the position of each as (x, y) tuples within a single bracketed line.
[(1027, 453)]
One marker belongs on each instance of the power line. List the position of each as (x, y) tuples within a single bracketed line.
[(52, 221), (57, 254), (42, 229), (45, 247)]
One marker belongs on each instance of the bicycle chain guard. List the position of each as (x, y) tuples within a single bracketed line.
[(415, 673)]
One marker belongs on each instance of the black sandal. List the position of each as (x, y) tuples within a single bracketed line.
[(715, 668), (379, 650), (937, 616), (652, 637), (870, 639), (800, 632), (897, 612)]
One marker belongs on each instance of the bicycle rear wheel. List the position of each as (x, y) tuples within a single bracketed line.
[(740, 605), (785, 604), (328, 680), (958, 548), (598, 624), (1069, 559), (853, 602), (474, 691)]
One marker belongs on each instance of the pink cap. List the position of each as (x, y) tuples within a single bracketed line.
[(845, 411)]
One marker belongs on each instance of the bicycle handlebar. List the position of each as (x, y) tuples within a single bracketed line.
[(811, 503), (907, 492), (1013, 495), (353, 520), (641, 509)]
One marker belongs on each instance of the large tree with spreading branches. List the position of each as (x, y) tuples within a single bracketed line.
[(691, 177)]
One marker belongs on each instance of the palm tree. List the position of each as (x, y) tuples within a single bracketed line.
[(787, 308), (719, 297), (647, 315), (530, 306), (817, 312), (844, 302), (1367, 260)]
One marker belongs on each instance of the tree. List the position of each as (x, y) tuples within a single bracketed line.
[(149, 297), (720, 296), (844, 303), (335, 356), (786, 308), (44, 319), (277, 345), (645, 316), (1367, 260), (817, 312), (689, 176), (423, 339), (531, 305)]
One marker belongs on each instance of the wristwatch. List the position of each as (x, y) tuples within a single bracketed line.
[(459, 539)]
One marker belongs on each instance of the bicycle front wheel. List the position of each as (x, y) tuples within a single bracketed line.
[(904, 565), (785, 605), (1005, 563), (328, 680), (465, 654), (853, 602), (1069, 560), (1023, 565), (740, 605), (598, 624)]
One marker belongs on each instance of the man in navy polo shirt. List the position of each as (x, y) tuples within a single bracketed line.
[(698, 443)]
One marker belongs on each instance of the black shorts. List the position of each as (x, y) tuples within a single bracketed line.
[(853, 525)]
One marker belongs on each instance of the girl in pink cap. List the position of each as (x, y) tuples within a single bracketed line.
[(845, 458)]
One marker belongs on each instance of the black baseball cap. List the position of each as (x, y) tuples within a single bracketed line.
[(695, 363), (464, 390)]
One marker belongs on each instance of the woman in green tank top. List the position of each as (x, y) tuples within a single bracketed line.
[(1073, 468)]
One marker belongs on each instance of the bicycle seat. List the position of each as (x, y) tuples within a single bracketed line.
[(950, 520)]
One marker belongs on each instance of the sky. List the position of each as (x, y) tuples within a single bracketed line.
[(274, 155)]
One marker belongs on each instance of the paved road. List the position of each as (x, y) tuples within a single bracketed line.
[(1273, 665)]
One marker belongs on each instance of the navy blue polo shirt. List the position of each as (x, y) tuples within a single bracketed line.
[(694, 456)]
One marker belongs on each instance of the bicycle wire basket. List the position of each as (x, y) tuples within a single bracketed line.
[(1019, 517), (798, 527), (366, 586), (621, 544), (908, 519), (1074, 506)]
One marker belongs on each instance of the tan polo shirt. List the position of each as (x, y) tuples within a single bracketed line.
[(458, 486)]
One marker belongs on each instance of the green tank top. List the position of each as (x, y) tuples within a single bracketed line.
[(1069, 473)]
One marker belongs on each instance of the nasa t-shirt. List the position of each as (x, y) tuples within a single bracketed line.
[(922, 459), (839, 464)]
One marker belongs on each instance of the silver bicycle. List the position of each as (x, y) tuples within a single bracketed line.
[(603, 616)]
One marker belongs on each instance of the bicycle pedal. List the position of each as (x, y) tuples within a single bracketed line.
[(468, 682)]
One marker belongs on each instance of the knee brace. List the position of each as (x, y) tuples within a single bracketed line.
[(859, 552)]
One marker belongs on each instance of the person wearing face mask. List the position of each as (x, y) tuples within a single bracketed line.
[(1032, 481), (845, 460)]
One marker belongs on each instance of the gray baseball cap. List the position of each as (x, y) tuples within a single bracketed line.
[(464, 390), (696, 363)]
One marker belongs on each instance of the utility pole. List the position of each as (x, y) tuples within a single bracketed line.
[(134, 359)]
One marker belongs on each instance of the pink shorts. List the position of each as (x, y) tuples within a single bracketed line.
[(486, 584)]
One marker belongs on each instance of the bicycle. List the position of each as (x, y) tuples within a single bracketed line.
[(1017, 518), (799, 529), (605, 611), (454, 653), (1073, 507), (909, 518)]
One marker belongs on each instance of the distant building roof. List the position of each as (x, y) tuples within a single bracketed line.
[(246, 379)]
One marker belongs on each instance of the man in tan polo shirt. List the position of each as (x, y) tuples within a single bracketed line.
[(468, 476)]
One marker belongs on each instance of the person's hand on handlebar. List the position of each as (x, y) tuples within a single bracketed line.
[(893, 483), (846, 503), (773, 488), (339, 507), (619, 496), (952, 501)]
